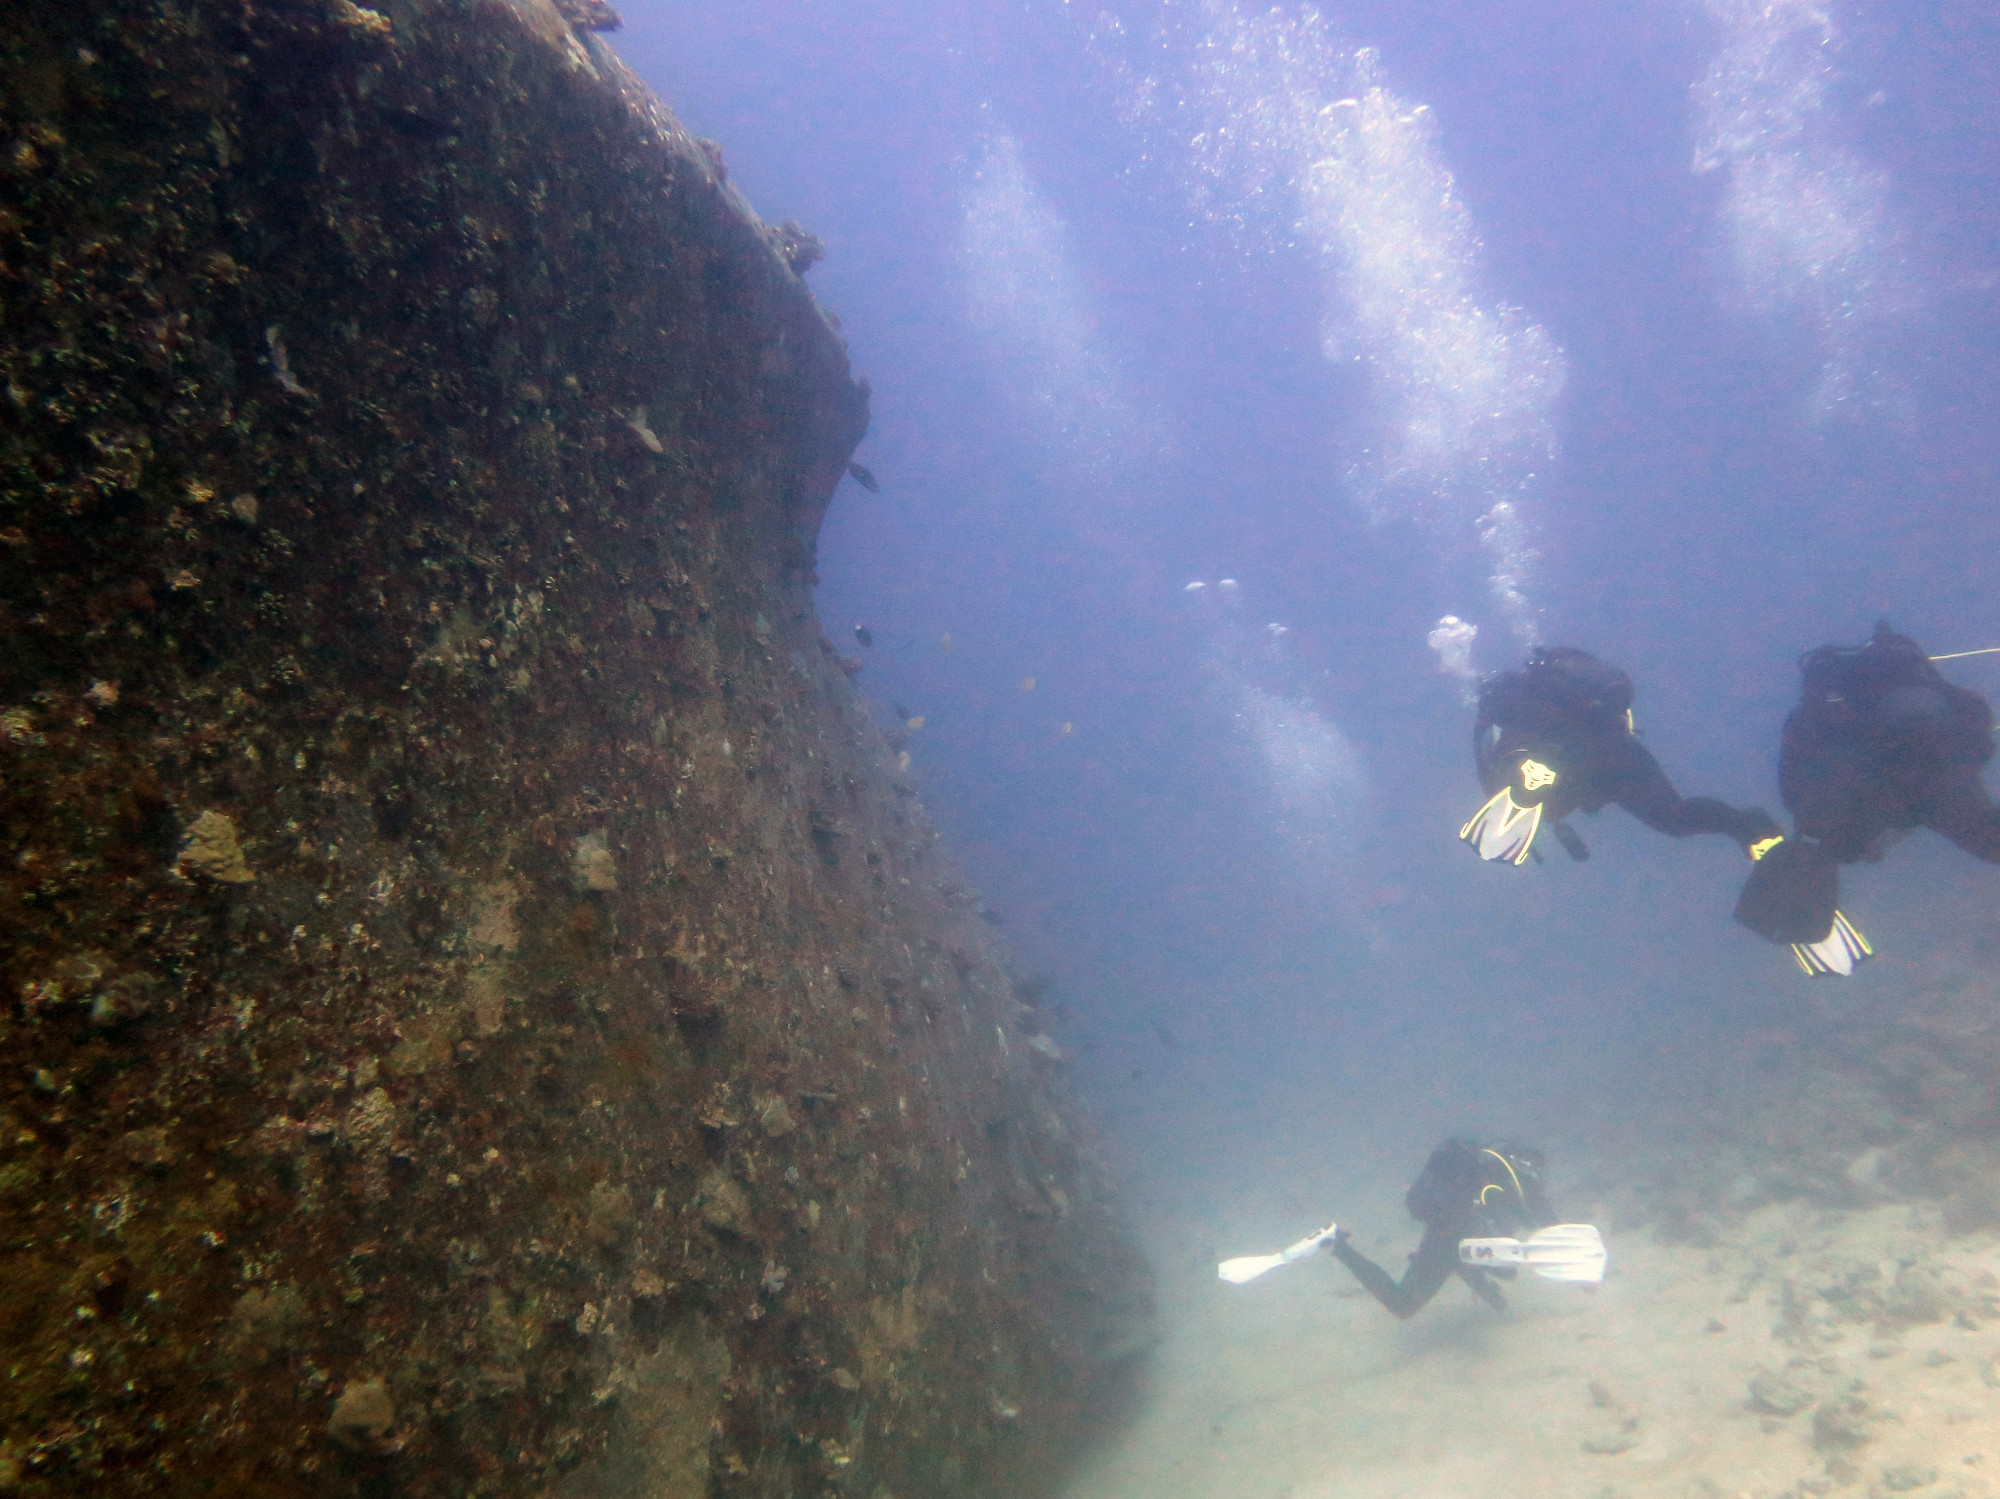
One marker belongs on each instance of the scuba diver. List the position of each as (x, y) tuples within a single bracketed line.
[(1880, 743), (1466, 1191), (1557, 736), (1471, 1199)]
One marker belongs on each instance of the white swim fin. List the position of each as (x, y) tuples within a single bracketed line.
[(1838, 953), (1563, 1251), (1250, 1266), (1503, 830)]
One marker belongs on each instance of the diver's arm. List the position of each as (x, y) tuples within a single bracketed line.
[(1493, 768), (1431, 1266), (1635, 781)]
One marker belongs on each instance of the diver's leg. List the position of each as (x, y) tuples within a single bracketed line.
[(1571, 840), (1483, 1287), (1964, 812), (1430, 1267)]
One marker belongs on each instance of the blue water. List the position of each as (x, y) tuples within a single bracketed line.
[(1704, 295)]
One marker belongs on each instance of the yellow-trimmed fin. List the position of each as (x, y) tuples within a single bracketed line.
[(1837, 954), (1763, 846), (1502, 829)]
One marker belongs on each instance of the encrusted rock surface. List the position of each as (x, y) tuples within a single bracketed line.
[(481, 1014)]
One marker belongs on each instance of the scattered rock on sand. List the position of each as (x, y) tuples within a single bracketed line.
[(1844, 1422), (1611, 1443), (1618, 1429), (1906, 1476), (1919, 1294), (1778, 1396)]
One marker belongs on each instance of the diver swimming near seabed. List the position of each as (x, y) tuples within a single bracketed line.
[(1557, 737), (1486, 1217), (1879, 743)]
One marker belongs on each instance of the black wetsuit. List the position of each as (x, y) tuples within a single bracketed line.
[(1880, 742), (1569, 714), (1466, 1191)]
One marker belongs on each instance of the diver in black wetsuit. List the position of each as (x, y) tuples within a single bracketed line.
[(1556, 737), (1466, 1191), (1879, 743)]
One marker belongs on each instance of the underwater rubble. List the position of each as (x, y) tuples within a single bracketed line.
[(484, 1012), (1880, 1095)]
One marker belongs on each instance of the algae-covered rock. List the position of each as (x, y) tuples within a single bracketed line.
[(611, 1218), (263, 1324), (456, 1044), (364, 1418), (211, 851), (773, 1117), (593, 866), (723, 1205)]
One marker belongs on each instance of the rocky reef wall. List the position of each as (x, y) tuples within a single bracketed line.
[(481, 1011)]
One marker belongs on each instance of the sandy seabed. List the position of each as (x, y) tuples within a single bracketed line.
[(1805, 1351)]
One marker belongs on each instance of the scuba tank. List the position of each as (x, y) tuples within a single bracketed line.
[(1888, 697)]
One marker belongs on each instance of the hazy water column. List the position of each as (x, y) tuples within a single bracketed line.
[(1027, 302), (1806, 223), (1291, 137), (1466, 388), (1312, 776), (1049, 356)]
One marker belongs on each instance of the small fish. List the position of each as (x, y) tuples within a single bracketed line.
[(1195, 587), (863, 634), (1167, 1038), (865, 478), (947, 642), (1027, 684), (1044, 1045), (637, 422), (914, 723), (281, 365)]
